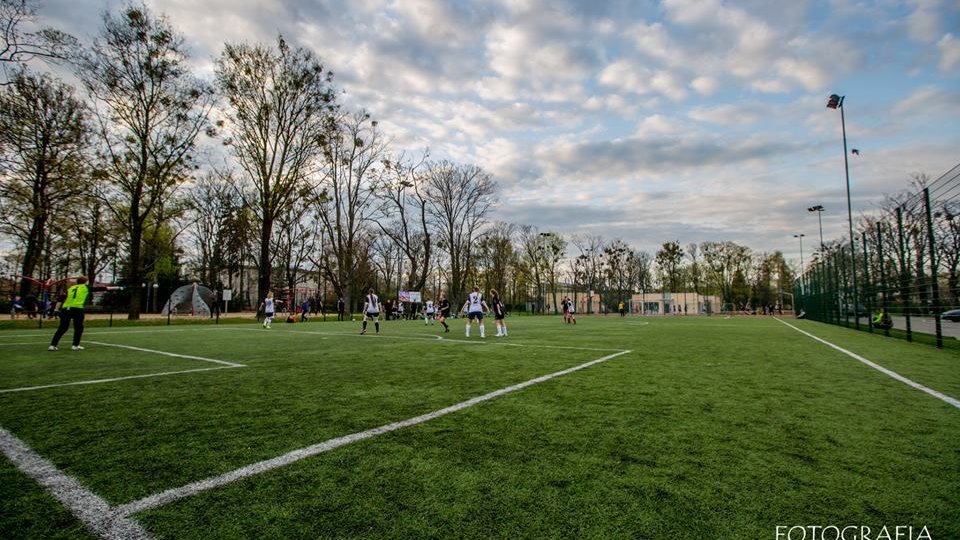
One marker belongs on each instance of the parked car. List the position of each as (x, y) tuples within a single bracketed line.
[(861, 310), (952, 315)]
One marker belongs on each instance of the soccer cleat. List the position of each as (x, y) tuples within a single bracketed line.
[(76, 348), (364, 331), (52, 348)]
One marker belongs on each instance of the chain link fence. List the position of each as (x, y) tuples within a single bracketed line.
[(902, 275)]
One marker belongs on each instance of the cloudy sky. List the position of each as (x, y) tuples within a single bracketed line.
[(650, 121)]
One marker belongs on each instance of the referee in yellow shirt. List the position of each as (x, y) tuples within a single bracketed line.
[(71, 309)]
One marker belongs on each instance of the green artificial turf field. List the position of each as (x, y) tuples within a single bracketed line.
[(693, 427)]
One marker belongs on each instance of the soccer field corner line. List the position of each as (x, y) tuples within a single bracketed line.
[(85, 505), (888, 372), (175, 494)]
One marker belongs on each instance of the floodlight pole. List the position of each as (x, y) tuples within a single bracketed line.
[(800, 236), (836, 102), (819, 210)]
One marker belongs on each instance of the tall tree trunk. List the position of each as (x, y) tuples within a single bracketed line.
[(134, 275), (265, 270), (32, 253)]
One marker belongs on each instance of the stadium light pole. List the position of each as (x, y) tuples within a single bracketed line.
[(802, 268), (836, 102), (819, 210)]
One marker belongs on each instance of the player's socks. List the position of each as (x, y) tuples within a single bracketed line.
[(377, 326), (468, 330), (481, 331), (364, 329)]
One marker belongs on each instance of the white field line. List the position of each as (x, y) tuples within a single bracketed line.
[(115, 379), (158, 330), (472, 341), (93, 511), (164, 353), (160, 499), (224, 364), (939, 395)]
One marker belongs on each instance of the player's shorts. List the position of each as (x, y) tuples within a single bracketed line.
[(268, 314), (373, 314), (478, 315), (498, 317)]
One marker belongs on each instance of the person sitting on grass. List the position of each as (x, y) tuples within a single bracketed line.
[(883, 320)]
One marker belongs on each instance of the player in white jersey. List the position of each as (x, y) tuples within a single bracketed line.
[(475, 308), (428, 312), (269, 308), (371, 310)]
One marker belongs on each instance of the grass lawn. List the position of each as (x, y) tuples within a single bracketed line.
[(705, 428)]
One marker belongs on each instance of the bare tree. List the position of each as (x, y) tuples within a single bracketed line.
[(459, 199), (588, 264), (532, 257), (150, 111), (44, 139), (18, 47), (948, 246), (617, 269), (211, 202), (496, 253), (724, 264), (281, 105), (348, 187), (403, 216), (296, 240)]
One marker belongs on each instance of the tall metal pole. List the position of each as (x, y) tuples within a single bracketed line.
[(853, 252), (802, 268), (836, 102), (820, 223)]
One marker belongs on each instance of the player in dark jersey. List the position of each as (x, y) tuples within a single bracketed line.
[(444, 312), (499, 312)]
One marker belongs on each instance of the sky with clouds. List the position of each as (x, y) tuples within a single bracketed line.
[(649, 121)]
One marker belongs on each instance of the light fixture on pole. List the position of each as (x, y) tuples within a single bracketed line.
[(836, 102), (800, 236), (819, 210)]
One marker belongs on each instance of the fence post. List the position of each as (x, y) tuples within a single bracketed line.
[(934, 274), (904, 276), (869, 292), (883, 274)]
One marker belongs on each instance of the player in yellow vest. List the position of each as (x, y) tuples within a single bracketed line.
[(71, 309)]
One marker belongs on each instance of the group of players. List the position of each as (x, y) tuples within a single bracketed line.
[(475, 308)]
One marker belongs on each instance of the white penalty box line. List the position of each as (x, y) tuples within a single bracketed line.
[(223, 364), (171, 495), (890, 373)]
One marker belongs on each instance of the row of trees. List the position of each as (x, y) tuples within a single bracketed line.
[(120, 180)]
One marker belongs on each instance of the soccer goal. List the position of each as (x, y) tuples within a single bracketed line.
[(728, 309)]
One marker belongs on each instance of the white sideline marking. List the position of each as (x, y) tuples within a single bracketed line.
[(115, 379), (939, 395), (474, 341), (93, 511), (175, 355), (160, 499), (156, 330), (225, 364)]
